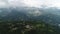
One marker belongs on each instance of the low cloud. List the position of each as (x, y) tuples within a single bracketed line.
[(35, 13), (29, 3)]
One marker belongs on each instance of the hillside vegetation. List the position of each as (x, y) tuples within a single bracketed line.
[(27, 27)]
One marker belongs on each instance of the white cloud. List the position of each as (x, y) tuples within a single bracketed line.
[(2, 4), (35, 12), (30, 3)]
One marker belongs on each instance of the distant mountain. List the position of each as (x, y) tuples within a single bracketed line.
[(50, 15)]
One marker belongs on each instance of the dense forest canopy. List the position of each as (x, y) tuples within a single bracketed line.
[(28, 27)]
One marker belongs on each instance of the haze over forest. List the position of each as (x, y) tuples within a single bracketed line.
[(29, 16)]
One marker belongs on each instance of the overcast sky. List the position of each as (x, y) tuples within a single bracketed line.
[(30, 3)]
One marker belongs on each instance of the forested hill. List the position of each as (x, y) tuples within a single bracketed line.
[(29, 21), (28, 27), (48, 15)]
